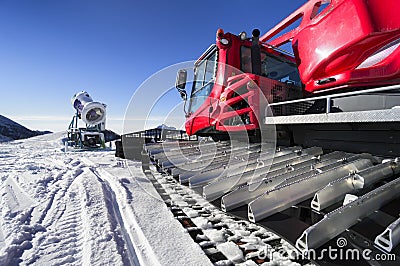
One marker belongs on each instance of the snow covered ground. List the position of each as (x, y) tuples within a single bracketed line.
[(91, 208), (83, 207)]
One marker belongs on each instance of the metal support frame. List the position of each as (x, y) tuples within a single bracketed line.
[(283, 197), (390, 237), (346, 216), (76, 135), (386, 115), (233, 167), (327, 164), (247, 193), (336, 190), (338, 95), (191, 156), (233, 179), (190, 169), (201, 169), (197, 163), (158, 149), (237, 168), (171, 151)]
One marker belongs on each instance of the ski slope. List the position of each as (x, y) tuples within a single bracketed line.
[(86, 207)]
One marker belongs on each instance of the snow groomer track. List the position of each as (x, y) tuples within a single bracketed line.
[(277, 204)]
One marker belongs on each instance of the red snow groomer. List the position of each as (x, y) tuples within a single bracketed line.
[(338, 45)]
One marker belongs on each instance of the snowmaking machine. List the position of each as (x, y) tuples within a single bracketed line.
[(93, 114)]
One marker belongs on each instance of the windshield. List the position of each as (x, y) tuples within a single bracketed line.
[(204, 74), (271, 67)]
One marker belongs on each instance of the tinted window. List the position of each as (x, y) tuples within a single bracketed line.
[(271, 67), (203, 81)]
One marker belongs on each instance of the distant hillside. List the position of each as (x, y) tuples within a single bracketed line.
[(163, 126), (10, 130)]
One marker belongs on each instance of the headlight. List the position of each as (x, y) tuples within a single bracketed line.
[(224, 41), (243, 35)]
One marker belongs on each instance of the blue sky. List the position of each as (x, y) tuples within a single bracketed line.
[(51, 49)]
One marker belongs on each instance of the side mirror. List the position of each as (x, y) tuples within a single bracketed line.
[(180, 83)]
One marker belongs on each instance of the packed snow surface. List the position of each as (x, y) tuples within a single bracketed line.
[(84, 207)]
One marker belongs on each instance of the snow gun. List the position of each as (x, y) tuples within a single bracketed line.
[(93, 114)]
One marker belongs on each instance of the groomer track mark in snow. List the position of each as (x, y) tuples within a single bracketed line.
[(53, 207)]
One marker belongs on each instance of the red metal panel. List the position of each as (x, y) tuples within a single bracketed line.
[(335, 42)]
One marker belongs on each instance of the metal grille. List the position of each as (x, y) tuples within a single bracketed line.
[(277, 96), (283, 93), (299, 108)]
